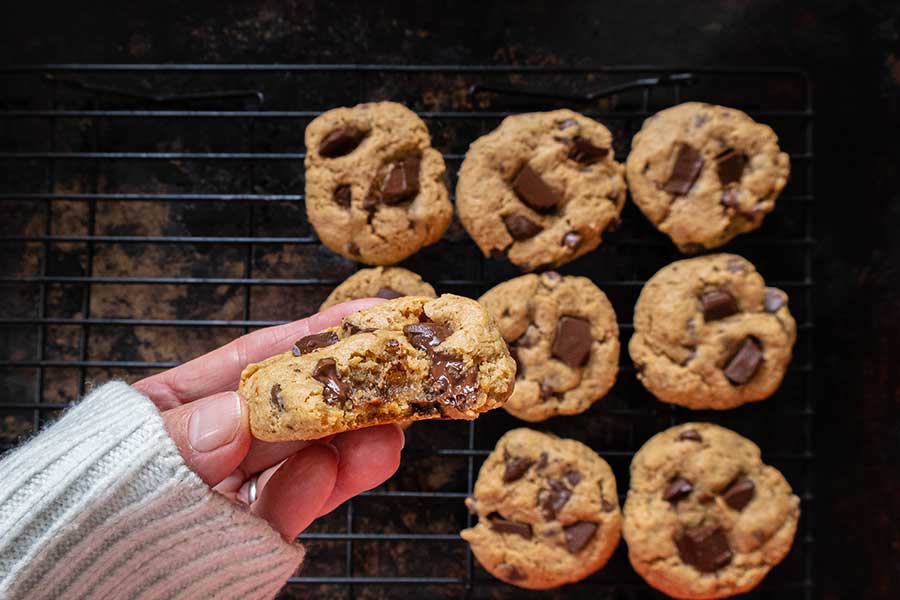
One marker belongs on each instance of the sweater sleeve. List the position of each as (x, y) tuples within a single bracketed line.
[(101, 505)]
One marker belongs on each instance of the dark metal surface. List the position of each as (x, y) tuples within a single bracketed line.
[(137, 236)]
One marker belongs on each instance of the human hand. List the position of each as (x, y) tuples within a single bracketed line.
[(297, 481)]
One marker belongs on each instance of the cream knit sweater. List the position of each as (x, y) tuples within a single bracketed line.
[(101, 505)]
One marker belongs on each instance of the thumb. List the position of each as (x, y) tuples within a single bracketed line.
[(212, 434)]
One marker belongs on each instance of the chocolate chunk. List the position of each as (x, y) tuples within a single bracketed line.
[(546, 391), (341, 141), (718, 304), (566, 123), (739, 493), (524, 341), (583, 151), (730, 166), (276, 397), (534, 191), (704, 547), (388, 294), (424, 336), (335, 391), (520, 227), (342, 195), (515, 468), (370, 204), (573, 477), (451, 382), (315, 341), (402, 182), (745, 362), (543, 459), (571, 240), (554, 499), (678, 489), (729, 198), (352, 248), (572, 342), (773, 300), (688, 163), (735, 265), (607, 506), (501, 525), (512, 572), (553, 276), (689, 434), (424, 408), (352, 329), (579, 534)]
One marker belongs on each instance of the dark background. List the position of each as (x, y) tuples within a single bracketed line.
[(852, 50)]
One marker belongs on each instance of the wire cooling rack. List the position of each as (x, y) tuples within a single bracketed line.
[(153, 212)]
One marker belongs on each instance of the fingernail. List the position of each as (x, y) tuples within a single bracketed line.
[(333, 448), (214, 422)]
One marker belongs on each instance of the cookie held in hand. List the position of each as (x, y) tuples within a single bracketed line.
[(408, 359), (548, 512)]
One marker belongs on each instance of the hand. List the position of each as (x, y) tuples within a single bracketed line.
[(298, 481)]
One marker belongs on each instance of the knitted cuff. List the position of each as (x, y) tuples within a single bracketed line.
[(101, 504)]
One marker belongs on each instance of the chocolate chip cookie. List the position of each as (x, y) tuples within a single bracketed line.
[(407, 359), (563, 335), (541, 189), (375, 188), (380, 282), (703, 174), (708, 333), (548, 511), (704, 517)]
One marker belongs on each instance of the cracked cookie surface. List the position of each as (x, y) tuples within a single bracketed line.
[(375, 189), (708, 333), (703, 174), (379, 282), (704, 516), (548, 511), (541, 188), (407, 359), (563, 335)]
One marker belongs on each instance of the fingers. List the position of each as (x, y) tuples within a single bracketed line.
[(212, 434), (294, 495), (368, 458), (219, 370)]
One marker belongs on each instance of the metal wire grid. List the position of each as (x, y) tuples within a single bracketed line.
[(796, 244)]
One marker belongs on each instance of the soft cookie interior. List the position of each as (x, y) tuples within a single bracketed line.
[(408, 359)]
